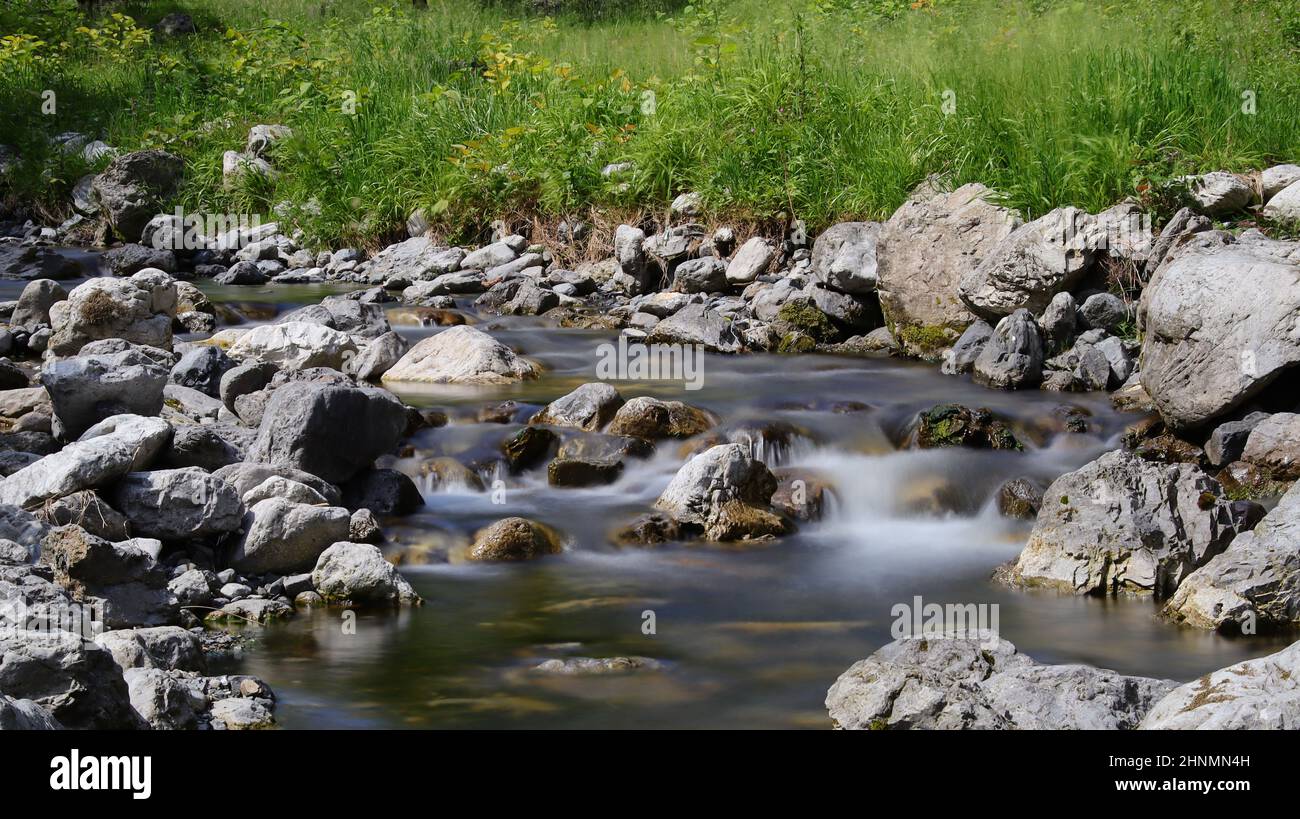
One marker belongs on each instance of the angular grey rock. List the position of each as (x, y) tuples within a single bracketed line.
[(489, 256), (724, 492), (285, 489), (164, 647), (631, 258), (1058, 321), (1274, 444), (134, 187), (1121, 524), (247, 476), (294, 345), (89, 511), (1285, 206), (244, 379), (105, 452), (1274, 180), (589, 407), (1219, 193), (201, 368), (751, 261), (928, 247), (707, 275), (844, 257), (377, 357), (1104, 311), (981, 683), (192, 588), (357, 572), (383, 491), (968, 348), (417, 259), (1216, 321), (1252, 586), (74, 679), (87, 389), (1227, 441), (162, 700), (301, 425), (122, 578), (281, 536), (1029, 266), (694, 324), (1260, 694), (241, 714), (178, 504), (208, 447), (530, 299), (1013, 356), (1182, 224), (25, 715)]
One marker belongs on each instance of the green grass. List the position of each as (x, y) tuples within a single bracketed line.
[(820, 109)]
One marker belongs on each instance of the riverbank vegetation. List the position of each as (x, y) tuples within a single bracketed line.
[(822, 110)]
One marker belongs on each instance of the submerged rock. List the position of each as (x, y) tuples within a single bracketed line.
[(514, 539), (955, 425)]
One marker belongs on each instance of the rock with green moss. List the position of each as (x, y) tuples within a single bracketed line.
[(956, 425), (802, 316)]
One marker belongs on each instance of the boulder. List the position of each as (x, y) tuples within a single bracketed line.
[(1253, 585), (163, 700), (967, 350), (945, 425), (980, 683), (130, 259), (694, 324), (1030, 266), (1013, 357), (706, 275), (85, 390), (294, 345), (593, 460), (105, 452), (651, 418), (589, 407), (87, 510), (725, 493), (132, 310), (209, 447), (247, 476), (461, 355), (34, 304), (1273, 443), (1285, 206), (377, 357), (925, 250), (751, 260), (25, 715), (73, 679), (281, 536), (178, 504), (301, 425), (201, 368), (1216, 320), (164, 647), (357, 573), (514, 539), (1227, 441), (1121, 524), (1058, 322), (1104, 311), (134, 187), (1276, 179), (416, 259), (844, 257), (383, 491), (122, 579), (1259, 694), (1219, 193)]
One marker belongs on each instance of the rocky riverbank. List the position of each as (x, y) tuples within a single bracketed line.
[(175, 471)]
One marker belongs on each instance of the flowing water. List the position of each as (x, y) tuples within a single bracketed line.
[(748, 636)]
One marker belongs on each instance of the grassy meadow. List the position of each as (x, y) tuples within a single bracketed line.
[(818, 109)]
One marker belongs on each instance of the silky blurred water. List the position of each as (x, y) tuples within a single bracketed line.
[(749, 636)]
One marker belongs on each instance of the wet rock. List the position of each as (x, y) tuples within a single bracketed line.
[(925, 250), (134, 187), (983, 683), (1028, 267), (1251, 586), (294, 345), (363, 527), (1013, 357), (242, 273), (132, 310), (357, 573), (955, 425), (461, 355), (593, 460), (451, 474), (178, 504), (650, 418), (105, 452), (1214, 318), (514, 539), (589, 408), (528, 447), (725, 493), (1257, 694), (281, 536), (803, 316), (596, 666), (649, 529), (382, 491), (1121, 524), (800, 496), (1020, 498), (302, 421)]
